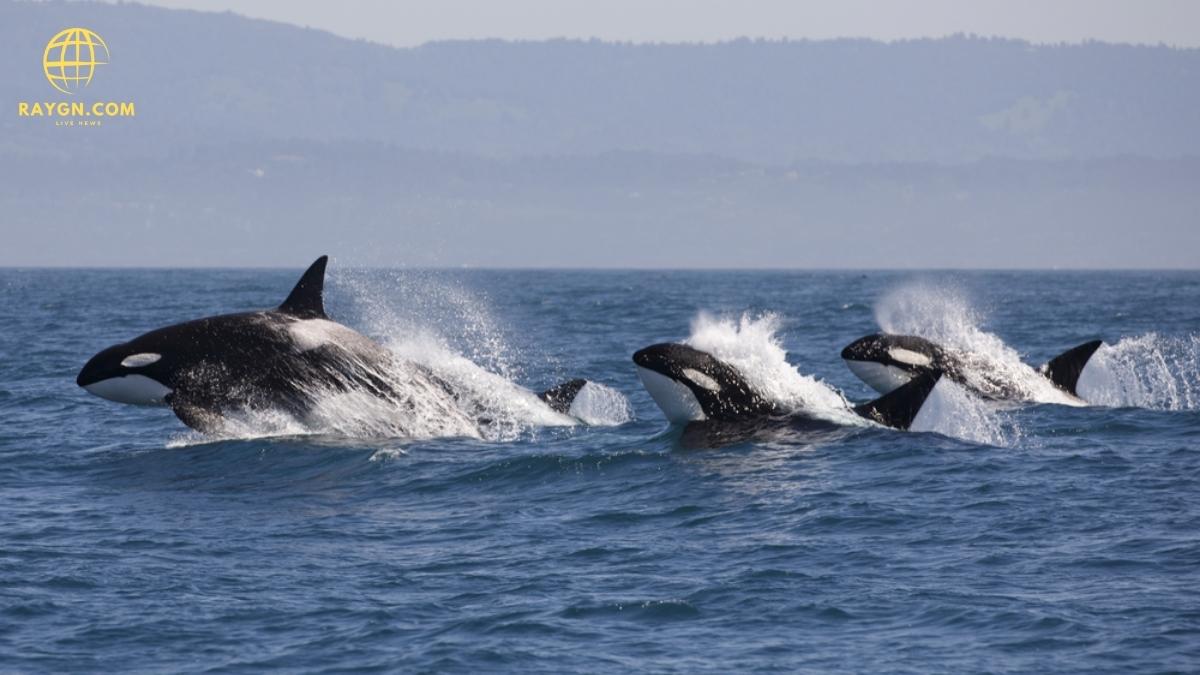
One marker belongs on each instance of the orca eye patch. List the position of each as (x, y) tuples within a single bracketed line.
[(140, 360), (702, 380), (908, 356)]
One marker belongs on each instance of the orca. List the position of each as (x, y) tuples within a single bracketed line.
[(885, 361), (283, 358), (694, 388)]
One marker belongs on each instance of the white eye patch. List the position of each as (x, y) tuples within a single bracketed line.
[(701, 379), (139, 360), (910, 357)]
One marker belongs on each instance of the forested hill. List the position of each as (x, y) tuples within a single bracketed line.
[(199, 78)]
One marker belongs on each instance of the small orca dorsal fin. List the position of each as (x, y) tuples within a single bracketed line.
[(307, 298), (899, 407), (1064, 369), (560, 397)]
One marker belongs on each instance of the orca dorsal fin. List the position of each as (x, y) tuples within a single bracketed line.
[(307, 298), (1064, 369), (899, 407), (560, 397)]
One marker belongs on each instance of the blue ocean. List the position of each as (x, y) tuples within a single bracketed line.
[(1036, 537)]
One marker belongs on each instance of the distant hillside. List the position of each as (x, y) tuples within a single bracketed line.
[(202, 78)]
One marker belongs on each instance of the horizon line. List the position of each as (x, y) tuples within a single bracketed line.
[(962, 34), (563, 268)]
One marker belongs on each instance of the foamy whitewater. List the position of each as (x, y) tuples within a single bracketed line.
[(478, 532), (751, 345), (945, 316), (1144, 371), (1147, 371)]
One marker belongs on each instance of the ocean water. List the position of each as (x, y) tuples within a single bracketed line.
[(1034, 538)]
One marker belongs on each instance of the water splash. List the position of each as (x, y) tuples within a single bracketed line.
[(507, 409), (600, 405), (952, 410), (942, 313), (440, 325), (1147, 371), (750, 344), (390, 305), (946, 316)]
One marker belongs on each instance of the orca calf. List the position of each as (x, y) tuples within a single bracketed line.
[(885, 361), (276, 359), (716, 402)]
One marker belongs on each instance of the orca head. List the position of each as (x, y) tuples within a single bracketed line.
[(690, 385), (885, 362), (137, 372)]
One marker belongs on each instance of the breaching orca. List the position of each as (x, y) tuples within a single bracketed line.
[(885, 361), (692, 386), (275, 359)]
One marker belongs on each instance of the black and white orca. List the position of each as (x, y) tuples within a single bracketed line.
[(693, 386), (274, 359), (885, 362)]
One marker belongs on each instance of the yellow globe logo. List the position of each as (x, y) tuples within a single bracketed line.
[(70, 59)]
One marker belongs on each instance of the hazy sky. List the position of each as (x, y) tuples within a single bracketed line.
[(412, 22)]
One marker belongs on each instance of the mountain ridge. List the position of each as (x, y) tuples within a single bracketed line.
[(200, 77)]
